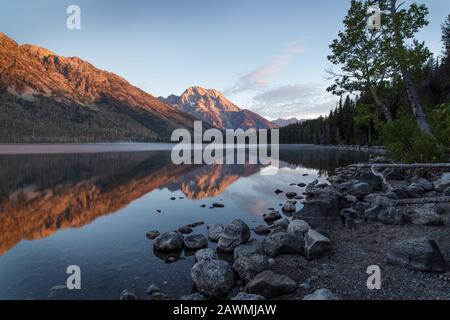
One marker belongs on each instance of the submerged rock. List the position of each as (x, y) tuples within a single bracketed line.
[(128, 295), (195, 242), (262, 230), (234, 234), (289, 207), (170, 241), (291, 195), (272, 216), (213, 278), (185, 230), (321, 294), (270, 285), (418, 254), (152, 235)]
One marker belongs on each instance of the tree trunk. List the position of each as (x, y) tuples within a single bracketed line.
[(381, 104), (413, 98)]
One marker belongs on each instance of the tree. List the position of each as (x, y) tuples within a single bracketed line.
[(446, 38), (400, 29), (361, 56)]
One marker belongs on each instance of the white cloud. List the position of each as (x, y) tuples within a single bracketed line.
[(259, 78), (303, 100)]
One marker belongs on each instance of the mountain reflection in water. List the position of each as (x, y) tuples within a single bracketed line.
[(41, 194)]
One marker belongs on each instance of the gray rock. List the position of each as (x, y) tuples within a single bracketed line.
[(317, 245), (168, 242), (361, 189), (270, 285), (372, 213), (249, 266), (447, 192), (152, 289), (152, 235), (185, 230), (243, 296), (195, 242), (360, 207), (283, 243), (442, 183), (427, 215), (321, 294), (215, 231), (291, 195), (213, 278), (350, 198), (277, 230), (381, 201), (423, 183), (414, 191), (298, 227), (251, 247), (272, 216), (283, 222), (158, 296), (349, 213), (417, 254), (205, 254), (392, 216), (289, 207), (128, 295), (193, 297), (262, 230), (234, 234)]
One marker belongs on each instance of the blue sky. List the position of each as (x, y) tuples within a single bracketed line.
[(266, 55)]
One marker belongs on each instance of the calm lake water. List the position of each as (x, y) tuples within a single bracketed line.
[(94, 209)]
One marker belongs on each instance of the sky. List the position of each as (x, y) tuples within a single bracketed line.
[(268, 56)]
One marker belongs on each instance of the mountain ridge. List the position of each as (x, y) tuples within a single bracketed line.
[(45, 97), (211, 106)]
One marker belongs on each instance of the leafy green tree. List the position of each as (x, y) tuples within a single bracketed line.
[(361, 56)]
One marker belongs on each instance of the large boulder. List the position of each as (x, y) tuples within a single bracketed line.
[(270, 285), (392, 216), (414, 190), (417, 254), (251, 247), (360, 189), (215, 231), (248, 267), (423, 183), (427, 215), (321, 294), (205, 254), (442, 183), (289, 207), (317, 245), (283, 243), (169, 242), (298, 227), (195, 242), (234, 234), (213, 278)]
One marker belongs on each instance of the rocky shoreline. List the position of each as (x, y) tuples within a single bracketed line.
[(393, 217)]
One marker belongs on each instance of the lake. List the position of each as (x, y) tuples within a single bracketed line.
[(68, 205)]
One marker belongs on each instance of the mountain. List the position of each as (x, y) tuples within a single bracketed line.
[(45, 97), (281, 123), (213, 107)]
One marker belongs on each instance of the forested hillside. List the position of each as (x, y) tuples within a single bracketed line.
[(393, 91)]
